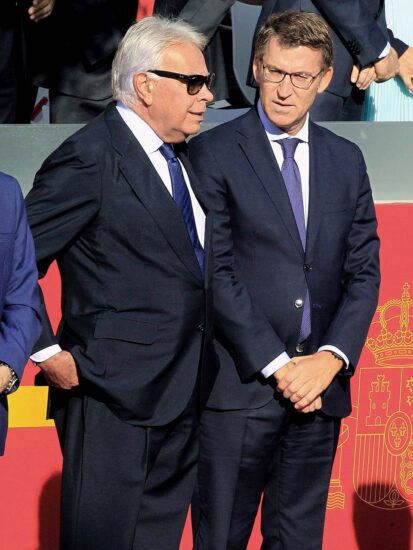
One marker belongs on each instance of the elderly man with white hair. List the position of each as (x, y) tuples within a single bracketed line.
[(133, 363)]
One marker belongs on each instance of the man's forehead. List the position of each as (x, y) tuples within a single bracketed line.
[(181, 53), (276, 53)]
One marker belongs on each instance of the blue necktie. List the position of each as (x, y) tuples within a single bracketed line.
[(182, 198), (292, 180)]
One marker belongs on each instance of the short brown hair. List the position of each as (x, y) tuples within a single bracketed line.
[(296, 28)]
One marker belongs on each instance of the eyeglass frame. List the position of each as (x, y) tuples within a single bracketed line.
[(188, 79), (291, 75)]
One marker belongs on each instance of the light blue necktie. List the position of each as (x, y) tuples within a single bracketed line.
[(292, 180), (182, 198)]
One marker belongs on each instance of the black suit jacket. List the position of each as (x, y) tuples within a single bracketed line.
[(359, 33), (136, 308), (261, 266)]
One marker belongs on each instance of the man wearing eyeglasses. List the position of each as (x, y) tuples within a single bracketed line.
[(364, 50), (133, 362), (295, 245)]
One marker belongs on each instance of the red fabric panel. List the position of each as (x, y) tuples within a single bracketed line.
[(145, 7)]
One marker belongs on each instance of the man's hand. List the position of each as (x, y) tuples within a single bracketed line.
[(60, 370), (387, 67), (5, 377), (40, 9), (362, 78), (282, 372), (406, 68), (303, 383)]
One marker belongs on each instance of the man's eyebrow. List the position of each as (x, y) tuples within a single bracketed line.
[(273, 68)]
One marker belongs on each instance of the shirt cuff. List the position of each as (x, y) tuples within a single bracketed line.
[(45, 353), (386, 51), (276, 364), (339, 352)]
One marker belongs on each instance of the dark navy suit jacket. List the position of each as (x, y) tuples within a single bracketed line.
[(19, 301), (261, 268), (136, 307)]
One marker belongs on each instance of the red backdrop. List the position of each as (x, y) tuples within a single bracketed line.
[(371, 490)]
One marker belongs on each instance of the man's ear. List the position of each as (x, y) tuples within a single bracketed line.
[(257, 69), (325, 79), (144, 86)]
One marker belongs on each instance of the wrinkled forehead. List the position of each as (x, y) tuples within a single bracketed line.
[(185, 58)]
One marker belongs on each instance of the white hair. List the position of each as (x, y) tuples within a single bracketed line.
[(141, 49)]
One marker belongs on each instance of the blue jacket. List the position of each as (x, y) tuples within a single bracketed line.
[(19, 301)]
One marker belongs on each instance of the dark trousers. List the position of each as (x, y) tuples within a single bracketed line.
[(272, 450), (125, 487)]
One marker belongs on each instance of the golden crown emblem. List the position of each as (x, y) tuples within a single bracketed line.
[(393, 346)]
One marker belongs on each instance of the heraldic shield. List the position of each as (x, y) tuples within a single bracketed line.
[(383, 458)]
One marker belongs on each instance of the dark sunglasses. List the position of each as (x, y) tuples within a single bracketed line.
[(194, 82)]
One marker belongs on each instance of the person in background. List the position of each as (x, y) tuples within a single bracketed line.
[(21, 25), (20, 323), (133, 362), (75, 54), (393, 99), (295, 242)]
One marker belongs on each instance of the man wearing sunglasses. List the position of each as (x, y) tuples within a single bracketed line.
[(115, 205), (295, 245)]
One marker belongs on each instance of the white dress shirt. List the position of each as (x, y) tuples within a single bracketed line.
[(150, 142), (302, 158)]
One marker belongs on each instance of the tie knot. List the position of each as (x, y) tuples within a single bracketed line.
[(289, 145), (167, 151)]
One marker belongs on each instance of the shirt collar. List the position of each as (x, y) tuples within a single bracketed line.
[(274, 133), (146, 136)]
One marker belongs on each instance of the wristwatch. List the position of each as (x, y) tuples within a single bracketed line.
[(14, 381)]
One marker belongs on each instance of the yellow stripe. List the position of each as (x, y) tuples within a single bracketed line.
[(27, 408)]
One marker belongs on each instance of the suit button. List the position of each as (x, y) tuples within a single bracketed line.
[(299, 303), (201, 328), (308, 267), (299, 348)]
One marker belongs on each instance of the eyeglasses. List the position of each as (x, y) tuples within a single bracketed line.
[(298, 80), (194, 82)]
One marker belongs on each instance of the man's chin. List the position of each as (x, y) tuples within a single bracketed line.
[(193, 128)]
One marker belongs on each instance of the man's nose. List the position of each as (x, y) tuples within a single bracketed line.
[(205, 94), (285, 87)]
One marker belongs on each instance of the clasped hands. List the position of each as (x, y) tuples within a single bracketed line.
[(304, 379), (384, 69)]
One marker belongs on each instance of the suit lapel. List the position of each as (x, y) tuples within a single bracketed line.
[(256, 147), (319, 178), (151, 191)]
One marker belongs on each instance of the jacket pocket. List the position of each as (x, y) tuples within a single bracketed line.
[(114, 326)]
